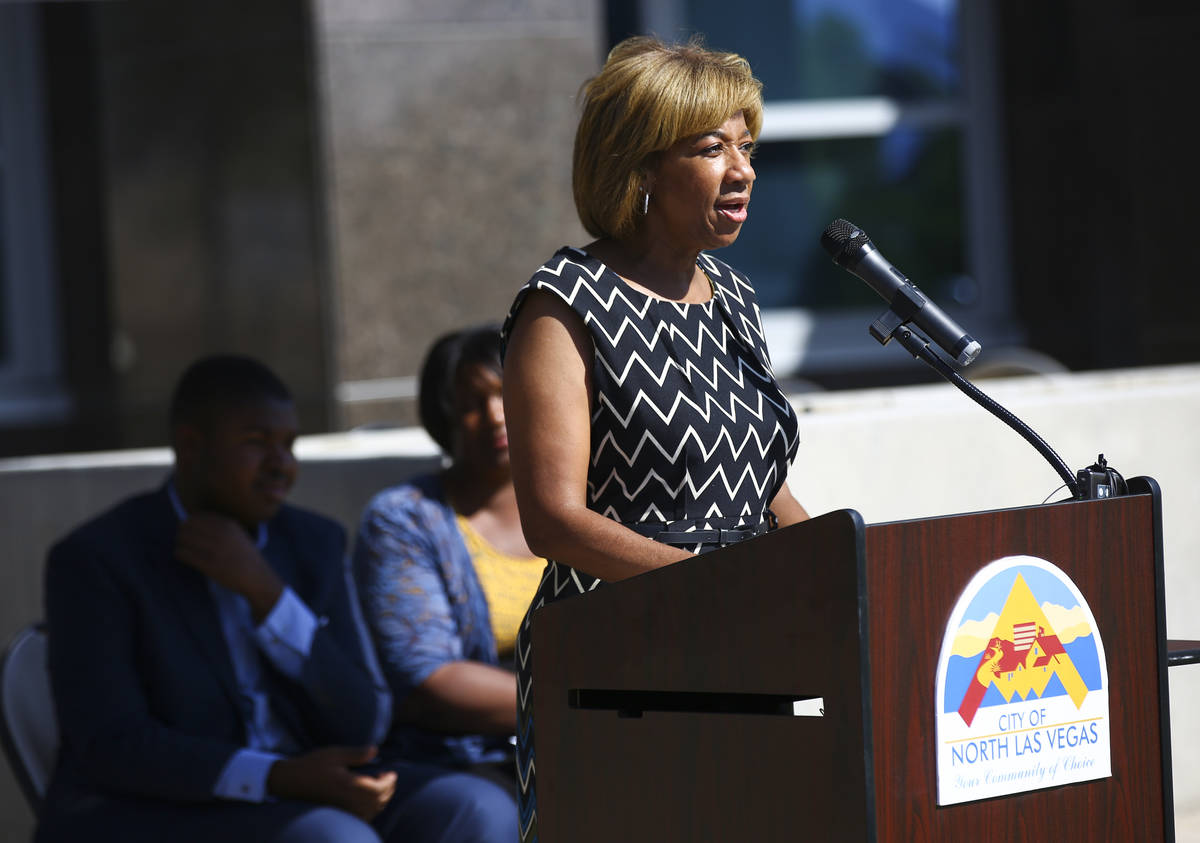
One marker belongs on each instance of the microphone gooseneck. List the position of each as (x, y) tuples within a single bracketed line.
[(921, 350), (851, 249)]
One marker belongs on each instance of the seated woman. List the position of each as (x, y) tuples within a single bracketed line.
[(444, 573)]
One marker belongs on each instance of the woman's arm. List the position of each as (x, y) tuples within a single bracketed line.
[(401, 544), (465, 696), (547, 408), (787, 509)]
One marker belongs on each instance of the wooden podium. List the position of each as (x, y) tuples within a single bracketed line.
[(663, 703)]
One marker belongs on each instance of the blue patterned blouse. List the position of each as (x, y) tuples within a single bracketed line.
[(424, 607)]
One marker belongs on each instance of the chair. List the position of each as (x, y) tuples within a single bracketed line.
[(28, 727)]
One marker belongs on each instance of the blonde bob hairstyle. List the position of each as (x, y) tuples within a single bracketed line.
[(648, 96)]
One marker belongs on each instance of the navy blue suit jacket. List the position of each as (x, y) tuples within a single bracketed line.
[(143, 681)]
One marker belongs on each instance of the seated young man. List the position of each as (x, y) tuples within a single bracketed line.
[(210, 671)]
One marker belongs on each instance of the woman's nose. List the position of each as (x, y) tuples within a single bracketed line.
[(495, 410), (740, 168)]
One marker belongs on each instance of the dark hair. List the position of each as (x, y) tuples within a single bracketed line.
[(222, 381), (448, 354)]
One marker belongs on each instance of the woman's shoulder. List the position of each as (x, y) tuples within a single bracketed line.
[(419, 499), (567, 261), (566, 272), (565, 275)]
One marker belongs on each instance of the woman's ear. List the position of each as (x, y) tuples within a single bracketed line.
[(647, 178)]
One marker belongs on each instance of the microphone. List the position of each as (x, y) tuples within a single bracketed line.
[(852, 250)]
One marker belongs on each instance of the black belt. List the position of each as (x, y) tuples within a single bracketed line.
[(662, 533)]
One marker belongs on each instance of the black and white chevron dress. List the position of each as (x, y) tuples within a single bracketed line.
[(690, 429)]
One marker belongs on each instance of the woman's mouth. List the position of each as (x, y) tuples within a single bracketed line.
[(734, 211)]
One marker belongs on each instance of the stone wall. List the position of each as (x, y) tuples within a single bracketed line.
[(212, 214), (448, 129)]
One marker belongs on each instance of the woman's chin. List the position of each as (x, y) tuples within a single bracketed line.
[(720, 239), (485, 463)]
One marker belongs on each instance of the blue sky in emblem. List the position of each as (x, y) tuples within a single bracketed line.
[(1045, 586)]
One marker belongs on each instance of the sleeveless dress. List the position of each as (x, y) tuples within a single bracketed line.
[(690, 433)]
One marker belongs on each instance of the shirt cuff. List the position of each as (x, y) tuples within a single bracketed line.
[(245, 776), (286, 635)]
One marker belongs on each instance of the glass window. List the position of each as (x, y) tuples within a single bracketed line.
[(31, 389), (4, 292), (851, 158), (880, 112), (809, 49), (903, 189)]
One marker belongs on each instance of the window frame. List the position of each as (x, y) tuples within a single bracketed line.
[(32, 390)]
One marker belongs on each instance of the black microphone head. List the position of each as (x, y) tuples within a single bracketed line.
[(841, 237)]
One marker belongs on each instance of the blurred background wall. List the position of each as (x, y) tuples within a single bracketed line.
[(326, 185), (330, 184)]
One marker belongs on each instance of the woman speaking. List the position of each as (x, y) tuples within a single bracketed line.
[(645, 424)]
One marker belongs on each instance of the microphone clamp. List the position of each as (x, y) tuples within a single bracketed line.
[(905, 304)]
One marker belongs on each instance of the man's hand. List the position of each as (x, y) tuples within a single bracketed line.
[(221, 549), (324, 776)]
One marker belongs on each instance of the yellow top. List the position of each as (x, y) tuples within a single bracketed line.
[(508, 583)]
